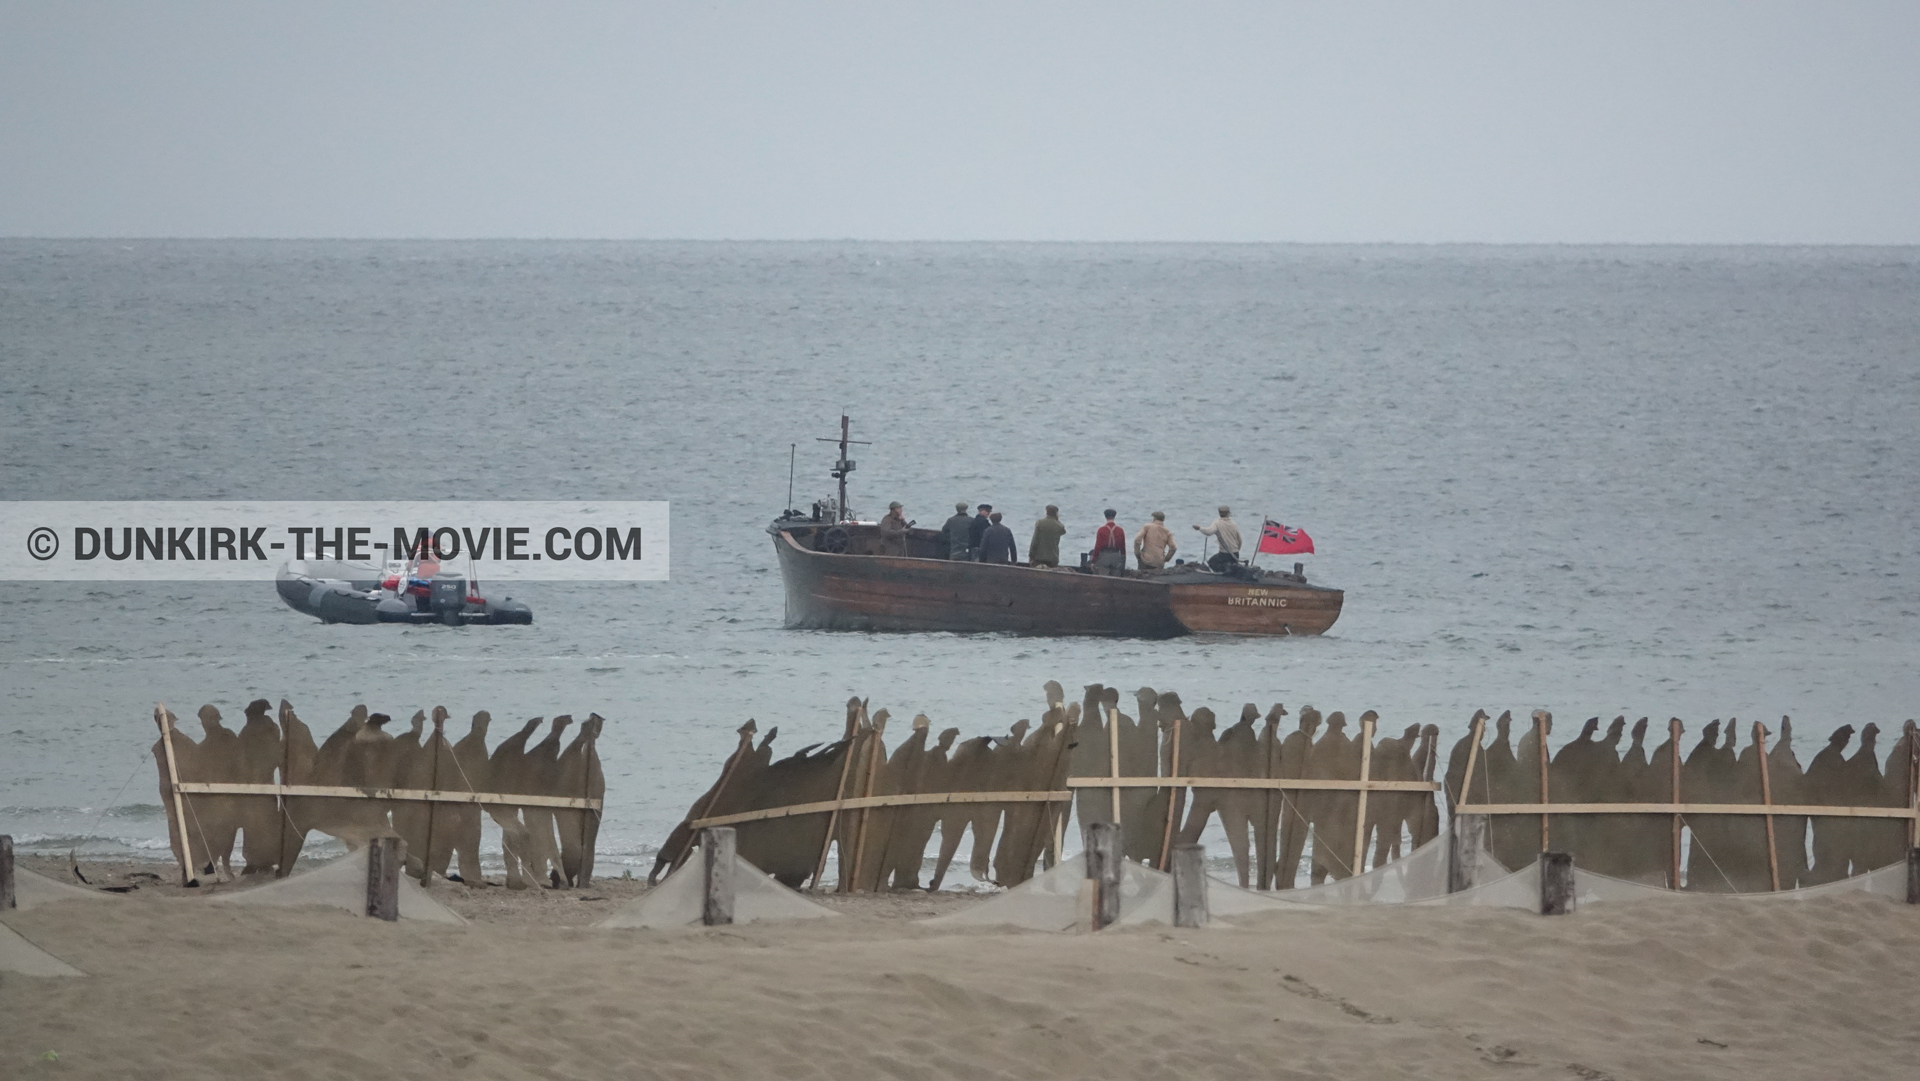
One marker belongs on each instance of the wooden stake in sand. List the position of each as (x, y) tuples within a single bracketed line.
[(1190, 886), (1540, 718), (1113, 756), (840, 791), (385, 857), (1913, 876), (1463, 854), (1173, 799), (873, 773), (165, 720), (1556, 883), (1673, 743), (1766, 798), (6, 872), (1103, 869), (426, 858), (717, 848)]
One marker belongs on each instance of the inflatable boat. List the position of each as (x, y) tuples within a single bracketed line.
[(400, 592)]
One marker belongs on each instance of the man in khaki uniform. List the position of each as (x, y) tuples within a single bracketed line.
[(1153, 546), (1044, 549)]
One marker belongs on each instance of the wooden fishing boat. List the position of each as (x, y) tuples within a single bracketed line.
[(837, 579)]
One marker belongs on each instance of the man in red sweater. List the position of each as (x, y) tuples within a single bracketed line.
[(1110, 547)]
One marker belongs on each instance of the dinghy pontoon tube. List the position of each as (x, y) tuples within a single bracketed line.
[(343, 592)]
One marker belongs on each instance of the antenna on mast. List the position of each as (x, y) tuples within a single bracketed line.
[(845, 465)]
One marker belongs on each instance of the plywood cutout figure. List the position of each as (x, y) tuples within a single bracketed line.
[(540, 776), (1092, 757), (1643, 839), (1336, 814), (298, 766), (1390, 814), (1425, 823), (1583, 770), (914, 833), (1877, 842), (1200, 756), (505, 768), (1788, 783), (217, 818), (470, 772), (580, 778), (1709, 777), (1827, 782), (259, 759), (1595, 774), (409, 766), (1266, 838), (1143, 810), (1514, 839), (1297, 806), (968, 770)]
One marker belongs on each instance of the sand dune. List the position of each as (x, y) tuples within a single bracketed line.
[(1695, 987)]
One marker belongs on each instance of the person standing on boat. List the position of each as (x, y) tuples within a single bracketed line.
[(1110, 547), (1044, 549), (977, 530), (1228, 534), (996, 545), (955, 532), (1153, 546), (893, 531)]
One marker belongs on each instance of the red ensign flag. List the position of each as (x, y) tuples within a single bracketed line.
[(1278, 540)]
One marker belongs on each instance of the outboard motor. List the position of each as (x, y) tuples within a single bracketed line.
[(447, 596)]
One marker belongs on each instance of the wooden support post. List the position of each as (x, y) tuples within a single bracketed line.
[(1173, 801), (1190, 886), (1360, 817), (1540, 718), (1469, 839), (7, 899), (1556, 883), (1113, 755), (386, 856), (1766, 797), (1103, 869), (426, 858), (1673, 787), (280, 861), (1473, 757), (860, 835), (717, 847), (840, 790), (1913, 876), (190, 873)]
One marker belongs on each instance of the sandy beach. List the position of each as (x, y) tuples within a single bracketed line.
[(1689, 987)]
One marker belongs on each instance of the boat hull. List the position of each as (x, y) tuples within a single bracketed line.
[(896, 593), (859, 591)]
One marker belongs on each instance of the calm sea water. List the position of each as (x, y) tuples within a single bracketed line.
[(1674, 481)]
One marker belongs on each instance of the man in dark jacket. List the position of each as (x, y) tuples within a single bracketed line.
[(956, 533), (996, 545), (977, 529)]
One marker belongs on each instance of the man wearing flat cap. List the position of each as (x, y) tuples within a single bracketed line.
[(893, 531), (1153, 545), (1228, 534)]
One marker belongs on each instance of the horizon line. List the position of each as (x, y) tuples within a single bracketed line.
[(149, 238)]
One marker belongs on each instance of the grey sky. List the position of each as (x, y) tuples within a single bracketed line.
[(1664, 122)]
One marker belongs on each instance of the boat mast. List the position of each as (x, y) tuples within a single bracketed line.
[(845, 465)]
